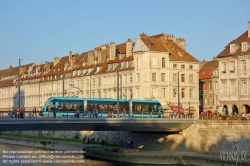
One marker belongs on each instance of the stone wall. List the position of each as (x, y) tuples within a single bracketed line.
[(204, 136)]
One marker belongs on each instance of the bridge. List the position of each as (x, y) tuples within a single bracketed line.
[(95, 124), (70, 123)]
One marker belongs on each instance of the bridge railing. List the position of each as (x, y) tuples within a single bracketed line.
[(101, 114), (16, 114), (224, 117)]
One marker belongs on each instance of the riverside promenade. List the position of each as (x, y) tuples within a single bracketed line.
[(127, 155)]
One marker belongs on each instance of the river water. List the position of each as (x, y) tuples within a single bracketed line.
[(18, 155)]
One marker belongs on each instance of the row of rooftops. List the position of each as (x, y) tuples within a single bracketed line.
[(103, 59), (108, 57)]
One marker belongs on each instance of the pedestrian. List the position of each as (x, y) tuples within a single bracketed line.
[(54, 112), (77, 114), (128, 143), (34, 111), (131, 144), (96, 113), (21, 112)]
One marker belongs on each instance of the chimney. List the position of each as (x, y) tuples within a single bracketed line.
[(90, 57), (70, 55), (129, 45), (66, 66), (214, 58), (10, 66), (112, 50), (170, 37), (248, 29), (56, 60), (181, 43)]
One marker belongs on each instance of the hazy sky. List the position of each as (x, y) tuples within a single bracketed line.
[(39, 30)]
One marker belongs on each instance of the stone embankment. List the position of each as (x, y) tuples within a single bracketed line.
[(136, 156)]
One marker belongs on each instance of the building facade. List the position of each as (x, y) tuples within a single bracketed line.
[(148, 69), (209, 85), (234, 75)]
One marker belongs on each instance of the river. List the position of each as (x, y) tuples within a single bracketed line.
[(19, 155)]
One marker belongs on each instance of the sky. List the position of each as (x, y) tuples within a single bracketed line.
[(36, 31)]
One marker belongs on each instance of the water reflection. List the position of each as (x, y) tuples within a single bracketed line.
[(78, 158)]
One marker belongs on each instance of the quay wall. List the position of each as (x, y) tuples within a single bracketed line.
[(204, 136)]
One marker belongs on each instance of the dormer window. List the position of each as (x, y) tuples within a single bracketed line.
[(232, 48), (244, 46)]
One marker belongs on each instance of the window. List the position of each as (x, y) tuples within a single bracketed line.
[(232, 66), (244, 46), (191, 93), (163, 78), (137, 63), (87, 82), (163, 62), (163, 92), (105, 94), (183, 66), (131, 78), (154, 62), (99, 94), (183, 93), (182, 77), (125, 78), (175, 92), (138, 77), (153, 76), (190, 66), (243, 66), (224, 66), (99, 81), (137, 93), (233, 86), (244, 87), (174, 66), (174, 77), (216, 85), (210, 85), (224, 88), (93, 80), (191, 78), (232, 48)]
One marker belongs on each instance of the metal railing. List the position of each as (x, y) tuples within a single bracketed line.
[(89, 114), (223, 117)]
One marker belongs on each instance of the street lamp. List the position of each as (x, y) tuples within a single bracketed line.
[(118, 92), (63, 83), (178, 95), (19, 84)]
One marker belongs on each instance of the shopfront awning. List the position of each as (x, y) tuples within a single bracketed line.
[(175, 109)]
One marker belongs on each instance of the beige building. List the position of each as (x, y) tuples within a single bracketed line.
[(148, 69), (209, 85), (234, 74)]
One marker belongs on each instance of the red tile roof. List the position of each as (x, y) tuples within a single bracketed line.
[(242, 38)]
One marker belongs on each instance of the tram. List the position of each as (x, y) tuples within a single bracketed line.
[(69, 105)]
